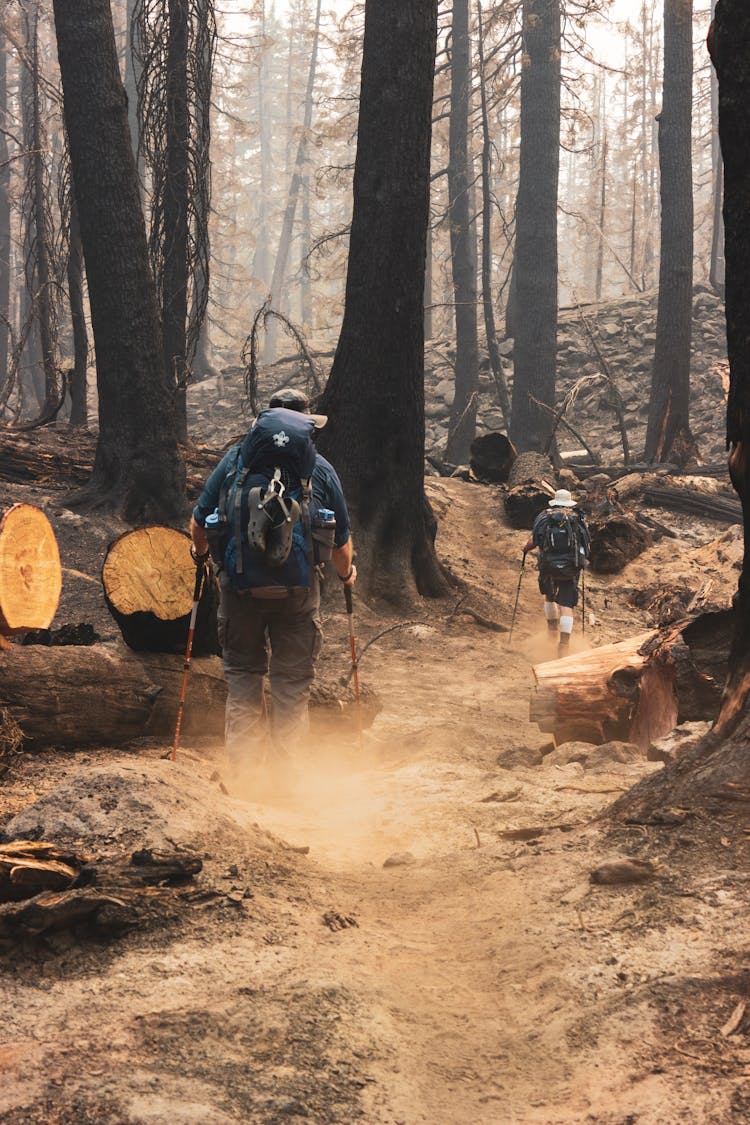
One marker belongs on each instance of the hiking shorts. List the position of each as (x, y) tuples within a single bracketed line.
[(564, 591)]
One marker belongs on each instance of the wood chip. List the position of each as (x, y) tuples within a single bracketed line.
[(734, 1020)]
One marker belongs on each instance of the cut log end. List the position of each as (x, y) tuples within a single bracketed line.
[(150, 571), (30, 571), (149, 583)]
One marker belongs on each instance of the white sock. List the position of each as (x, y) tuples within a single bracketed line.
[(550, 611), (566, 624)]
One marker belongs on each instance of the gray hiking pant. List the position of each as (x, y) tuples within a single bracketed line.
[(280, 638)]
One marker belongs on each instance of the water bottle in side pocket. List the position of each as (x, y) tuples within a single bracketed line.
[(323, 528)]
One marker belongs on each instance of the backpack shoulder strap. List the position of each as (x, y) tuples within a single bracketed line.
[(237, 518), (305, 501)]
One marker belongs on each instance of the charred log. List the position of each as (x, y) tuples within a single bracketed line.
[(492, 458), (531, 482), (615, 541)]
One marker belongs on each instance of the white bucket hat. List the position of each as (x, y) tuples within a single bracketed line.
[(562, 499)]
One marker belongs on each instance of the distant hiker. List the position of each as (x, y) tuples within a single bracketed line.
[(564, 544), (271, 512)]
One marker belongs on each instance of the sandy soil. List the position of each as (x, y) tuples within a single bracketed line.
[(475, 978)]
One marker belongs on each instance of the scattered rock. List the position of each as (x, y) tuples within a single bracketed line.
[(400, 859), (568, 752), (683, 738), (519, 756), (610, 753)]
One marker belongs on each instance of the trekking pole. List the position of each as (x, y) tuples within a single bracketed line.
[(200, 573), (518, 594), (583, 599), (355, 662)]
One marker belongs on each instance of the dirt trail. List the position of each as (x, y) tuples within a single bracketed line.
[(483, 981)]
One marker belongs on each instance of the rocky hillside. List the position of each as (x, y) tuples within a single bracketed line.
[(621, 333), (624, 333)]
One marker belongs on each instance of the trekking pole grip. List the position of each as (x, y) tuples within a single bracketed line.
[(348, 599)]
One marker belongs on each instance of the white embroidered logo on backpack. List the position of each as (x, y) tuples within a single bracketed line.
[(281, 439)]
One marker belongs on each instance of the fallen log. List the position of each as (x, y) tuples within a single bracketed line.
[(149, 582), (639, 689), (106, 695), (692, 502), (65, 456), (531, 486), (589, 696), (30, 571)]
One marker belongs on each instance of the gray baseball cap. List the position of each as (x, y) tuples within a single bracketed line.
[(292, 398)]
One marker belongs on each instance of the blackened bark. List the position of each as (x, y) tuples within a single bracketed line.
[(79, 414), (729, 41), (375, 394), (716, 267), (4, 217), (176, 222), (41, 239), (535, 263), (669, 404), (463, 418), (489, 311), (138, 467)]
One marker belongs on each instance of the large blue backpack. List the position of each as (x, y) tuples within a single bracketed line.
[(265, 495)]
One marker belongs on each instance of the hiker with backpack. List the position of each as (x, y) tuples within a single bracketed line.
[(270, 514), (564, 543)]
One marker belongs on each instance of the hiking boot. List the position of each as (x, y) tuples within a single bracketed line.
[(563, 647)]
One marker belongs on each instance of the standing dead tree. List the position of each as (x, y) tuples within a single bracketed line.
[(174, 43), (297, 181), (42, 276)]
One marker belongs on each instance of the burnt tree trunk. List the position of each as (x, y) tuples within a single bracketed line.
[(175, 203), (669, 404), (138, 467), (43, 246), (729, 41), (4, 216), (535, 262), (287, 226), (716, 267), (79, 413), (489, 310), (463, 418), (375, 394)]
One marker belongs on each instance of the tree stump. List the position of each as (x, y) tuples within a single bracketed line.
[(492, 458), (615, 541), (30, 571), (531, 483), (149, 581)]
